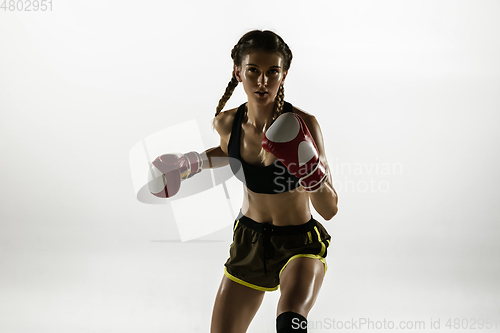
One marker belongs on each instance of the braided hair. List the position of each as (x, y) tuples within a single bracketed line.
[(258, 40)]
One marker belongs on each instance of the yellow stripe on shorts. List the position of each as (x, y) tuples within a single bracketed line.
[(323, 247)]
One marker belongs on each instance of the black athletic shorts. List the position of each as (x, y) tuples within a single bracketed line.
[(260, 251)]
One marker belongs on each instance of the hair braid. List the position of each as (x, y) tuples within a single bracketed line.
[(280, 102), (227, 94), (278, 110)]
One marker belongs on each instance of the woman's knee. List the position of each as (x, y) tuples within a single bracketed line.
[(289, 302), (300, 284)]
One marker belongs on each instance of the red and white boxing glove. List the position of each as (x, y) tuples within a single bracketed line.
[(289, 139), (168, 170)]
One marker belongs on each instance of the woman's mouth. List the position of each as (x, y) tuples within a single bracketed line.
[(261, 93)]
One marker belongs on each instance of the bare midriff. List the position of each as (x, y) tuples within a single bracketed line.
[(288, 208)]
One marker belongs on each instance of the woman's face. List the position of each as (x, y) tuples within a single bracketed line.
[(261, 74)]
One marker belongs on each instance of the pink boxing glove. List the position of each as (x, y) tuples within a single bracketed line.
[(168, 170), (289, 139)]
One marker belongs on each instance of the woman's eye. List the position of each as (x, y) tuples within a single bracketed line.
[(274, 71), (253, 69)]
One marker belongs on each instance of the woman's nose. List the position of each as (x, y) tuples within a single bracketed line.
[(262, 79)]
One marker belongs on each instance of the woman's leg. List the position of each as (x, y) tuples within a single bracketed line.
[(235, 306), (300, 283)]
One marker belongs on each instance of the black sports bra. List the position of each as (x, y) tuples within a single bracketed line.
[(271, 179)]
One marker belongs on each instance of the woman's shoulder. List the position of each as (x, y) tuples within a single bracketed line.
[(308, 117), (223, 122)]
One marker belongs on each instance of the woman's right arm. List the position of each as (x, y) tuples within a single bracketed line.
[(217, 157)]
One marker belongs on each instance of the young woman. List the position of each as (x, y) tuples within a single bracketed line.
[(277, 150)]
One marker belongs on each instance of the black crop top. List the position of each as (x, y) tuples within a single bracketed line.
[(271, 179)]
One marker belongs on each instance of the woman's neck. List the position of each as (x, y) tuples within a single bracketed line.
[(260, 116)]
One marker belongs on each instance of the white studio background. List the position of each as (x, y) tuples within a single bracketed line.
[(406, 92)]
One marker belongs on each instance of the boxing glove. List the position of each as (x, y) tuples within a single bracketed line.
[(168, 170), (289, 139)]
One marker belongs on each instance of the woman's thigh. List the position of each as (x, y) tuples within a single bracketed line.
[(235, 306), (300, 283)]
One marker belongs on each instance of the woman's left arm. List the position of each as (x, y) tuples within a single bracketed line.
[(325, 199)]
